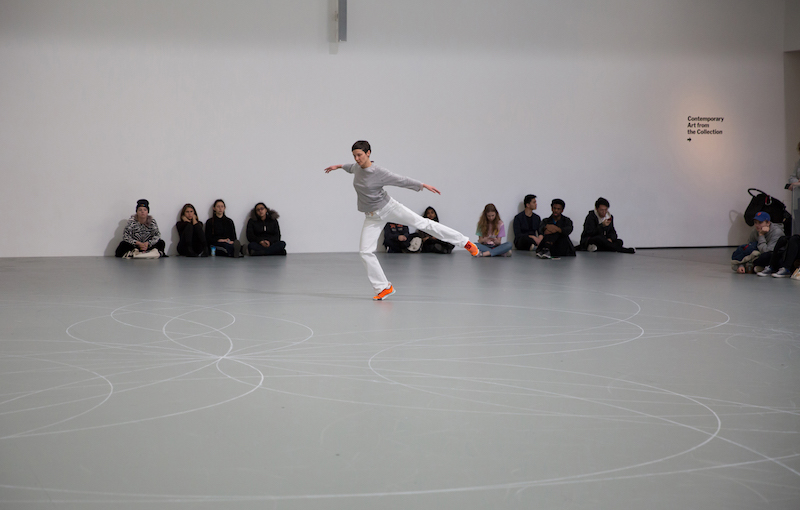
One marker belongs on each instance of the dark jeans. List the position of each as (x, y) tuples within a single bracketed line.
[(193, 241), (558, 244), (603, 244), (276, 248), (785, 253), (433, 245), (763, 259), (523, 243), (124, 247), (396, 246), (224, 249)]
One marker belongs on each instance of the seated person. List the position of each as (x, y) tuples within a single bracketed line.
[(758, 249), (221, 232), (141, 237), (599, 232), (784, 258), (429, 243), (526, 226), (264, 233), (794, 188), (556, 229), (192, 241), (491, 232), (396, 238)]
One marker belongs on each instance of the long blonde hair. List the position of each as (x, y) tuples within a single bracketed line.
[(487, 228)]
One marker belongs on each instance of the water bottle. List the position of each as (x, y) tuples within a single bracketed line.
[(213, 251)]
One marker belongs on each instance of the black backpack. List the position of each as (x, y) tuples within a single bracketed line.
[(769, 204)]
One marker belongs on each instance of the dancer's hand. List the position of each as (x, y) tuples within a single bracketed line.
[(431, 189), (332, 168)]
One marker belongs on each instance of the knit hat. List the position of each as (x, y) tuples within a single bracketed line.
[(143, 203)]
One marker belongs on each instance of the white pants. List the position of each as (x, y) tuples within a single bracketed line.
[(395, 212)]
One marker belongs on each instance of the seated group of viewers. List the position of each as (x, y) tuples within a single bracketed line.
[(549, 237), (141, 237), (768, 251)]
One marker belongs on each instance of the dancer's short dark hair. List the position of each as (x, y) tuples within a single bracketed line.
[(362, 145)]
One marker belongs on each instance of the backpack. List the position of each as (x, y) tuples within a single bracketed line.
[(769, 204)]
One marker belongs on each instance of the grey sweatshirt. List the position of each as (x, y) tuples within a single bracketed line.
[(369, 183), (766, 243)]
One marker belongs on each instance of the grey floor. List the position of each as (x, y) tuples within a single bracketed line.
[(659, 380)]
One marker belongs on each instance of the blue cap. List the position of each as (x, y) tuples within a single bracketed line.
[(762, 216)]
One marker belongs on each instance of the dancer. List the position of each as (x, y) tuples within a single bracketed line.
[(379, 208)]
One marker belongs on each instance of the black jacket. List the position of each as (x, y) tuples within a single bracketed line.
[(267, 230), (220, 228), (593, 228)]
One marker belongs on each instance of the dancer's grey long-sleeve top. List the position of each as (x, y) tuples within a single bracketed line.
[(369, 183)]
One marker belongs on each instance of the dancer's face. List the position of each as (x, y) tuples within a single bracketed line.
[(362, 158)]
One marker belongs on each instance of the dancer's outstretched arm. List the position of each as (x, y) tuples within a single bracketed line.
[(332, 168), (431, 189)]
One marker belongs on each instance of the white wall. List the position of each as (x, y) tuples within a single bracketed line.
[(792, 26), (103, 103)]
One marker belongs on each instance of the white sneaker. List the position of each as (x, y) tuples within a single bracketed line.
[(781, 273), (591, 247), (415, 244), (766, 272)]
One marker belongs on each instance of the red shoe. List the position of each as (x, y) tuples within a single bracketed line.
[(385, 293), (472, 249)]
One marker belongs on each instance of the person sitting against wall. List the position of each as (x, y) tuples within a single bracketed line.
[(396, 239), (141, 237), (556, 229), (429, 243), (794, 187), (757, 252), (785, 257), (264, 233), (526, 226), (491, 232), (192, 241), (221, 232), (599, 233)]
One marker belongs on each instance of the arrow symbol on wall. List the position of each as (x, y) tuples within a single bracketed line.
[(689, 139)]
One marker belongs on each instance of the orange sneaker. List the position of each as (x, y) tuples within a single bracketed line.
[(471, 248), (385, 293)]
